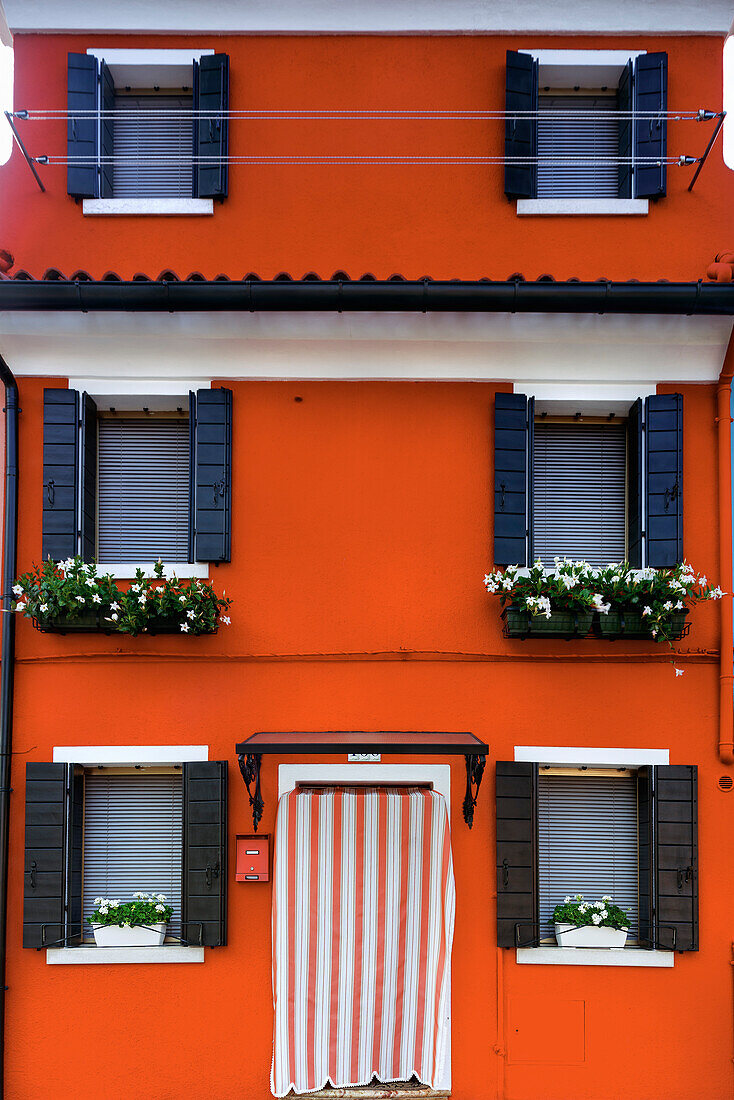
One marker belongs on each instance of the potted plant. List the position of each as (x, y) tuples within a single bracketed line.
[(541, 603), (650, 603), (71, 597), (138, 923), (580, 923)]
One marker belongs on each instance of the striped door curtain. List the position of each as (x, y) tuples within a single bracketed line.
[(363, 920)]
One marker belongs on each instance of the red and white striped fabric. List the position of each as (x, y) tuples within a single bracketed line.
[(363, 921)]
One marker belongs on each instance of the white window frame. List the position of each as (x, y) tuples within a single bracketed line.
[(581, 756), (167, 67), (439, 778), (582, 68), (127, 395), (126, 756)]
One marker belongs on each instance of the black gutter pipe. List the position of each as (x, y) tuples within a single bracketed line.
[(368, 295), (7, 668)]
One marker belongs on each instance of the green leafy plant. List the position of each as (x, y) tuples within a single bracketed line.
[(145, 909), (657, 595), (596, 914), (71, 591)]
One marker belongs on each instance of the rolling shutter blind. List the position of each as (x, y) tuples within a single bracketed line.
[(521, 130), (143, 489), (577, 153), (152, 146), (587, 842), (579, 492), (517, 853), (133, 839)]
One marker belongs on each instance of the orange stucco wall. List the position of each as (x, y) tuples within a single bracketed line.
[(361, 536), (446, 222)]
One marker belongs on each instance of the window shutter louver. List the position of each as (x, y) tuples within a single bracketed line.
[(54, 799), (634, 484), (664, 481), (213, 475), (60, 473), (106, 132), (205, 853), (624, 132), (644, 857), (88, 501), (517, 854), (512, 448), (650, 134), (82, 141), (521, 131), (675, 833), (212, 132)]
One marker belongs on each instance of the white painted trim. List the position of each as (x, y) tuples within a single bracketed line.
[(87, 956), (574, 207), (123, 571), (593, 956), (605, 758), (160, 207), (158, 58), (413, 17), (572, 59), (438, 775), (123, 756), (590, 394), (104, 388)]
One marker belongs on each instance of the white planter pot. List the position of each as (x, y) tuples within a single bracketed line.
[(568, 935), (112, 935)]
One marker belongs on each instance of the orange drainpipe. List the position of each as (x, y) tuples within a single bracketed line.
[(726, 674)]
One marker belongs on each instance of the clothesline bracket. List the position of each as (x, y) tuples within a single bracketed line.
[(336, 742)]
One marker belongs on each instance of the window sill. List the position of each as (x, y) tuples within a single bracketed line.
[(594, 956), (125, 570), (380, 1092), (148, 206), (581, 206), (85, 956)]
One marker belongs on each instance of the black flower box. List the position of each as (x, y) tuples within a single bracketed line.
[(561, 624), (94, 622), (634, 625)]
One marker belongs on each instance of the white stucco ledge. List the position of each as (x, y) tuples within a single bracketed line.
[(126, 570), (598, 207), (105, 956), (162, 207), (593, 956)]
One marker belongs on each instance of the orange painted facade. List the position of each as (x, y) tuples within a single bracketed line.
[(362, 529)]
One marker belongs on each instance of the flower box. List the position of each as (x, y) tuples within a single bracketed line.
[(631, 624), (565, 624), (588, 935), (126, 935), (94, 623)]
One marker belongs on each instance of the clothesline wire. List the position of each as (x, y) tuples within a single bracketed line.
[(326, 114), (85, 160)]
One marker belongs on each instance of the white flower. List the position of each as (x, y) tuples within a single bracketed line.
[(160, 908), (184, 628), (668, 606), (606, 897), (20, 606), (115, 903), (567, 899), (678, 671), (654, 631), (18, 589), (716, 594), (104, 910), (647, 611), (161, 897), (679, 605), (702, 581), (80, 599), (596, 919), (190, 614), (603, 913), (507, 583), (182, 599), (141, 599), (98, 901), (134, 587), (583, 907), (113, 617), (96, 598), (597, 601), (115, 606), (226, 620), (44, 608)]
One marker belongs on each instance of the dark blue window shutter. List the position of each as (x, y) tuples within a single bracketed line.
[(635, 460), (517, 854), (88, 499), (106, 131), (675, 832), (650, 140), (82, 134), (645, 861), (664, 482), (512, 451), (60, 474), (624, 145), (54, 801), (212, 133), (204, 918), (521, 131), (213, 489)]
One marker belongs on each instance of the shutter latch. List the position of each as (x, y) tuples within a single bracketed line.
[(211, 871), (684, 875), (671, 494)]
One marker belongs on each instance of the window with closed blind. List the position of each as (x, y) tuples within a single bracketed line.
[(579, 492), (133, 839), (577, 146), (587, 842), (143, 488), (152, 145)]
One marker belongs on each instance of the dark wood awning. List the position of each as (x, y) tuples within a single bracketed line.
[(413, 743)]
